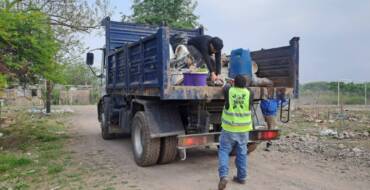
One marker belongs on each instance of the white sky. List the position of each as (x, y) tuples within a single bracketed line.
[(335, 34)]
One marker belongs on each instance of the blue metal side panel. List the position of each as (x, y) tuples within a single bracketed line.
[(144, 64), (164, 58), (119, 33), (138, 56), (110, 72), (116, 70), (120, 74)]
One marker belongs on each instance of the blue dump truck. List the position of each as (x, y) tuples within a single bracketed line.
[(165, 120)]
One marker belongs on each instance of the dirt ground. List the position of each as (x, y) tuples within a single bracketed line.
[(110, 165)]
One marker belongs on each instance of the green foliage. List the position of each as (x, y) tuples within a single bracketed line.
[(95, 94), (175, 13), (3, 81), (35, 35), (67, 18), (327, 92), (55, 95), (79, 74), (350, 88), (55, 168), (28, 46)]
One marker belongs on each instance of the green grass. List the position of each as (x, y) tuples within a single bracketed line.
[(55, 168), (109, 188), (32, 151), (9, 161)]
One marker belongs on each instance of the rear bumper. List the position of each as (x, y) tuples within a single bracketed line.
[(209, 139)]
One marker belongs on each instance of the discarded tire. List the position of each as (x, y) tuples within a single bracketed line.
[(146, 150), (168, 151)]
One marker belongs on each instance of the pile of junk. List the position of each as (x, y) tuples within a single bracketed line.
[(187, 67)]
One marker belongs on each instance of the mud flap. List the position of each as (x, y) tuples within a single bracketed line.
[(163, 119)]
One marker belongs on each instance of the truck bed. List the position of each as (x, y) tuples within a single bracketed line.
[(138, 63), (213, 93)]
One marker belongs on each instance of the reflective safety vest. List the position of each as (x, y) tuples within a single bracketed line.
[(238, 117)]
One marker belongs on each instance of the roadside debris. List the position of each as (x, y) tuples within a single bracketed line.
[(365, 134), (328, 132), (319, 146), (341, 146), (63, 110)]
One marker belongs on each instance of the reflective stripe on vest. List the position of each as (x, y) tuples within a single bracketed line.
[(235, 124), (238, 117), (236, 114)]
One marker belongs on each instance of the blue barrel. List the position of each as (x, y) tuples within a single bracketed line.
[(240, 63)]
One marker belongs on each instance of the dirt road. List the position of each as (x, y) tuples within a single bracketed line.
[(110, 165)]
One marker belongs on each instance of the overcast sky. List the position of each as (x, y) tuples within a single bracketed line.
[(335, 34)]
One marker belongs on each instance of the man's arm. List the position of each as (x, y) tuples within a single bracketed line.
[(207, 59), (226, 95), (218, 62), (251, 97)]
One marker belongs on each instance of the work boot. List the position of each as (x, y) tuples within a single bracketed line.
[(222, 183), (237, 180)]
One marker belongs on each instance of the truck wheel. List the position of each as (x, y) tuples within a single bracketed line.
[(104, 124), (146, 150), (168, 151)]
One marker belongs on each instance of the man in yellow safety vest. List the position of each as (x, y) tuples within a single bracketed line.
[(236, 124)]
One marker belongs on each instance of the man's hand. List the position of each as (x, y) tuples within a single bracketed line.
[(213, 76)]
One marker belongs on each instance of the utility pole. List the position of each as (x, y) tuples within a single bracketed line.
[(338, 94), (365, 93)]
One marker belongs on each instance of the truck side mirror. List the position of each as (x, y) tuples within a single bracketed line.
[(90, 58)]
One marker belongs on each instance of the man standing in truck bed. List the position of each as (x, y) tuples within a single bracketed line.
[(236, 124), (207, 46)]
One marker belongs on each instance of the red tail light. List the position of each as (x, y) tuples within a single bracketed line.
[(188, 141), (193, 141), (264, 135)]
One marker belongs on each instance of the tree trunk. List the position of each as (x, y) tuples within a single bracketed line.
[(49, 88)]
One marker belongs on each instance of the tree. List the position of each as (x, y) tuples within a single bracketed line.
[(79, 74), (175, 13), (66, 19), (28, 46)]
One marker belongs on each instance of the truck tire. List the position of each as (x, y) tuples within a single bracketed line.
[(104, 123), (146, 150), (168, 151)]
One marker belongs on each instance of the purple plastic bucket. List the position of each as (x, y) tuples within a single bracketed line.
[(195, 79)]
